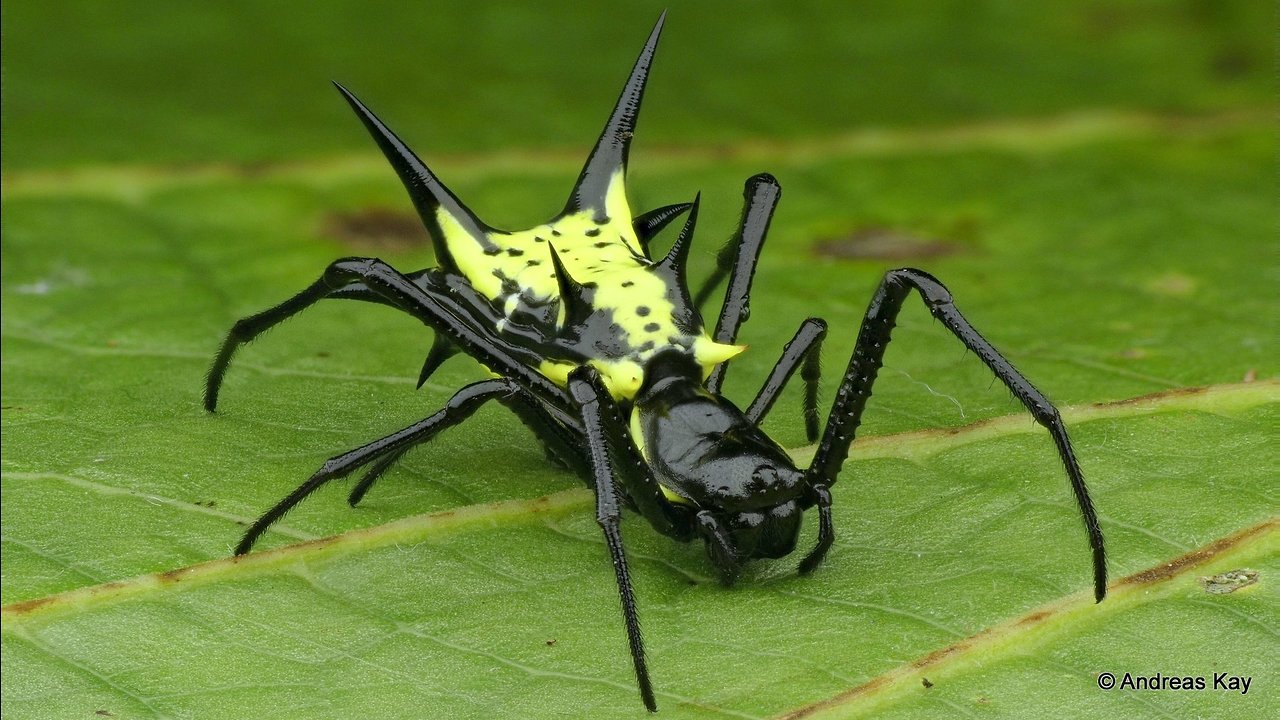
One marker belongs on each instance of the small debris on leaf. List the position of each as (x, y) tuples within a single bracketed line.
[(1229, 582)]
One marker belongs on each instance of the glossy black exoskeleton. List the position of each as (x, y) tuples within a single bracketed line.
[(600, 349)]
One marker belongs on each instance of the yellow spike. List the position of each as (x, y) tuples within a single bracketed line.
[(711, 353)]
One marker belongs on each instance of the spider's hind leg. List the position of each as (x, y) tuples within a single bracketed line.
[(386, 450), (426, 296), (563, 444), (248, 328)]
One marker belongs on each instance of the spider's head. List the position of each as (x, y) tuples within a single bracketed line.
[(706, 454)]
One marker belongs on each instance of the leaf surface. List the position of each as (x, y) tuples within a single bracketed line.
[(1105, 229)]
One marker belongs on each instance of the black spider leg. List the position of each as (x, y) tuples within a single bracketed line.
[(433, 307), (679, 521), (741, 255), (868, 354), (460, 407), (720, 548), (441, 349), (374, 281), (248, 328), (429, 283), (644, 494), (563, 444), (592, 401), (806, 348)]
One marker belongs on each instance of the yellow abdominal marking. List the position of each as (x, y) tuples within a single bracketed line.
[(606, 255), (637, 437)]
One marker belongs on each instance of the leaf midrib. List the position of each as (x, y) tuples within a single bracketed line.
[(912, 446), (1049, 621)]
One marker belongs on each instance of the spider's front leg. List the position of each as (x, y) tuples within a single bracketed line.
[(868, 356), (598, 415), (805, 347), (738, 259)]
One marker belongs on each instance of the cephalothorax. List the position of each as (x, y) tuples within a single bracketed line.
[(601, 350)]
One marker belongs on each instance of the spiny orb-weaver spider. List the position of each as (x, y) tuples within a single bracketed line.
[(601, 351)]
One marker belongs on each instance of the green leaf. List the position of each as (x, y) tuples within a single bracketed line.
[(1094, 189)]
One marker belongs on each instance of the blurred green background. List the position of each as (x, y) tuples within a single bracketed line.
[(1093, 180), (87, 83)]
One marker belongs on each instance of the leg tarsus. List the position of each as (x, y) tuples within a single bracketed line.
[(248, 328)]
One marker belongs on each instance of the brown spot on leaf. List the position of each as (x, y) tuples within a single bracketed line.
[(1193, 558), (940, 654), (882, 243), (172, 576), (26, 606), (1033, 618), (1233, 62), (1162, 395), (377, 229)]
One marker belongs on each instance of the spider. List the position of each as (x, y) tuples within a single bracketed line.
[(602, 352)]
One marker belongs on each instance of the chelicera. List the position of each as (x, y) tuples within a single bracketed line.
[(601, 350)]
